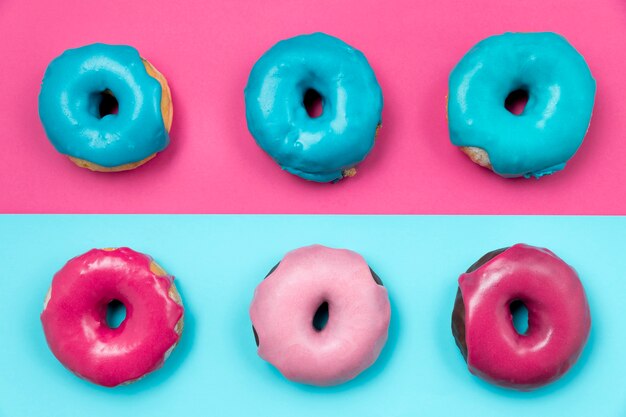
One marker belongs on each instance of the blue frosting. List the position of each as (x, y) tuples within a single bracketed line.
[(561, 94), (70, 96), (317, 149)]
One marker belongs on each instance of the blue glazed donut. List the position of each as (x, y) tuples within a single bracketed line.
[(552, 126), (74, 88), (325, 148)]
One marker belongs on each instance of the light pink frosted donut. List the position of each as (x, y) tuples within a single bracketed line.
[(286, 301)]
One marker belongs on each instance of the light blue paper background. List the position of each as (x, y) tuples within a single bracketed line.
[(218, 260)]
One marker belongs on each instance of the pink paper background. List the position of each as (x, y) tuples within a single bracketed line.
[(206, 50)]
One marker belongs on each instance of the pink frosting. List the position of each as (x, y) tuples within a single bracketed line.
[(558, 318), (285, 303), (74, 318)]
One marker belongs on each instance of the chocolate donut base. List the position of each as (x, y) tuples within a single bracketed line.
[(458, 312)]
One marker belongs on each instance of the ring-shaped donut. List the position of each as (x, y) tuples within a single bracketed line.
[(324, 148), (73, 89), (286, 302), (75, 309), (553, 124), (559, 320)]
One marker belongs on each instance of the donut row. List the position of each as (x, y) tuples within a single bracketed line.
[(320, 316), (313, 103)]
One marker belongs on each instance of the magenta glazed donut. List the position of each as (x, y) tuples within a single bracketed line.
[(286, 311), (558, 317), (75, 309)]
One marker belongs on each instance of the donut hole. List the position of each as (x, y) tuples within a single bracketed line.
[(516, 101), (519, 316), (116, 314), (107, 104), (313, 103), (320, 319)]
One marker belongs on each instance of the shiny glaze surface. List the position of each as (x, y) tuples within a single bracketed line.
[(70, 96), (285, 303), (561, 92), (558, 318), (317, 149), (74, 317)]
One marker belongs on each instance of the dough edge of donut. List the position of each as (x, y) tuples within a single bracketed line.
[(478, 155)]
